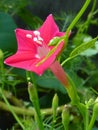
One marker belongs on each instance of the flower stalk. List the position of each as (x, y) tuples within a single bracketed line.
[(34, 99), (78, 16), (94, 115), (28, 112), (58, 71), (60, 74)]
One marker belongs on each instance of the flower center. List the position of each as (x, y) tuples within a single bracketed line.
[(38, 39), (42, 49)]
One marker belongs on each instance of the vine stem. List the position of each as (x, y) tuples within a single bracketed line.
[(65, 37), (33, 95), (85, 114), (76, 19), (94, 115), (65, 79), (29, 112), (92, 122), (12, 111), (94, 5)]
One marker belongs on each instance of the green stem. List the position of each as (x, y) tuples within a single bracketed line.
[(92, 122), (84, 112), (94, 115), (15, 101), (76, 19), (65, 61), (66, 127), (2, 72), (28, 112), (86, 121), (72, 92), (34, 99), (94, 5), (13, 113), (76, 101), (84, 27)]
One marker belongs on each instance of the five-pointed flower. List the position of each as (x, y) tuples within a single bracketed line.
[(33, 47)]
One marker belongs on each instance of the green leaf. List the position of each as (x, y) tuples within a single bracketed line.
[(7, 35), (80, 49), (50, 82), (89, 52), (83, 47)]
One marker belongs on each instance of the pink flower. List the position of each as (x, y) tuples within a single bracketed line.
[(33, 47)]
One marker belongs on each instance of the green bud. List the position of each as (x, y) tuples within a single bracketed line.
[(54, 41), (54, 106), (32, 92), (65, 117), (55, 102), (1, 54)]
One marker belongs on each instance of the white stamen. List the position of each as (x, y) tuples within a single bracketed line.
[(37, 33), (35, 39), (28, 35), (40, 39), (39, 42)]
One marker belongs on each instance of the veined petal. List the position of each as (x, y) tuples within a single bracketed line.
[(59, 34), (26, 60), (48, 29), (25, 40), (22, 60)]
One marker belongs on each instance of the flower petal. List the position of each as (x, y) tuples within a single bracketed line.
[(25, 42), (46, 64), (22, 60), (48, 29)]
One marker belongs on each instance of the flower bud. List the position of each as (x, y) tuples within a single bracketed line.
[(55, 102), (1, 54), (65, 117), (54, 41), (32, 92), (54, 106)]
